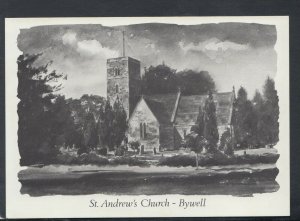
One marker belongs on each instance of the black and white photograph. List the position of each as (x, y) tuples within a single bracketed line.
[(149, 109)]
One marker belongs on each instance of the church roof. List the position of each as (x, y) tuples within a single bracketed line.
[(162, 106), (188, 108)]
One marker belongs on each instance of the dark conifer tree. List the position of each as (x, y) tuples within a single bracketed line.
[(271, 112), (245, 120), (258, 131), (90, 133), (119, 123), (105, 126), (199, 126), (210, 130), (36, 95)]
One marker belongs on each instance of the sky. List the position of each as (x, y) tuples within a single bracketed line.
[(235, 54)]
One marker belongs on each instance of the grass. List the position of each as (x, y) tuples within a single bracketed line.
[(131, 161), (217, 159), (172, 160)]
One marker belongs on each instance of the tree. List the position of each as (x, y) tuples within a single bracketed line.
[(163, 79), (88, 113), (135, 146), (245, 120), (92, 104), (35, 91), (90, 132), (196, 143), (257, 100), (192, 82), (105, 126), (159, 80), (119, 123), (258, 131), (199, 126), (61, 123), (226, 142), (210, 131), (270, 114)]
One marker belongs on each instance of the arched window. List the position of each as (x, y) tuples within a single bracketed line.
[(117, 88), (145, 132), (141, 130)]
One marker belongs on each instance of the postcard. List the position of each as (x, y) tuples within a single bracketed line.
[(147, 117)]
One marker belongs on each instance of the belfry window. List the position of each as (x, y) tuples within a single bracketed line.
[(116, 71)]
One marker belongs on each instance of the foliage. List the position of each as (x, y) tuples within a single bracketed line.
[(196, 142), (258, 106), (205, 131), (119, 123), (120, 151), (90, 132), (61, 123), (270, 115), (245, 120), (102, 151), (66, 158), (217, 158), (105, 124), (199, 126), (210, 131), (92, 158), (36, 93), (192, 82), (163, 79), (86, 112), (135, 144), (112, 125), (226, 143), (178, 161), (159, 80), (131, 161), (256, 123), (92, 104)]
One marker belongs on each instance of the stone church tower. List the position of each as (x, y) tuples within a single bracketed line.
[(124, 81)]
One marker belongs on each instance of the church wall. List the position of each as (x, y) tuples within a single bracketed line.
[(142, 114)]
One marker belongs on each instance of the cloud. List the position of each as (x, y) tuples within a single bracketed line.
[(94, 47), (230, 52), (69, 38), (215, 49), (87, 47), (213, 44), (150, 45)]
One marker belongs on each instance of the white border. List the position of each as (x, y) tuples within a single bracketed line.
[(24, 206)]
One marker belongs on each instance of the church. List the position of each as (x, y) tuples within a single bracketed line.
[(159, 121)]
